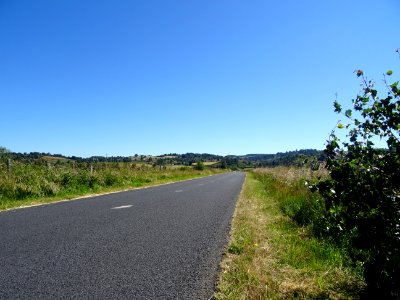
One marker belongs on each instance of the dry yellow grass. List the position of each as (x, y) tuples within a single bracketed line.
[(291, 175)]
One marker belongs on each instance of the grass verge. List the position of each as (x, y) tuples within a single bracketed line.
[(271, 257), (32, 184)]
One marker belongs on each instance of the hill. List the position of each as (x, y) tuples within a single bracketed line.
[(297, 157)]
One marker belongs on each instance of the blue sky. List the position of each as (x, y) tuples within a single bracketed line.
[(153, 76)]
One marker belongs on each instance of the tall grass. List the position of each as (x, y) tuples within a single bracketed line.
[(273, 253), (43, 181), (290, 187)]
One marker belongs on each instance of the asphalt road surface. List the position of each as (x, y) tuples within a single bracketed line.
[(157, 243)]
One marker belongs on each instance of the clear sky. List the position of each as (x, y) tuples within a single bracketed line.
[(225, 77)]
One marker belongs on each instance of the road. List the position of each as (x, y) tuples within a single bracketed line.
[(163, 242)]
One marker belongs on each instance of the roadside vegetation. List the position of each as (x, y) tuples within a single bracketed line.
[(45, 180), (362, 193), (331, 231), (31, 178), (273, 253)]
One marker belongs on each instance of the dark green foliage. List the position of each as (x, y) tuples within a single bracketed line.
[(4, 153), (190, 158), (199, 166), (235, 249), (110, 179), (304, 157), (363, 191)]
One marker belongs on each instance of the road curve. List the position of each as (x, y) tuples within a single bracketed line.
[(157, 243)]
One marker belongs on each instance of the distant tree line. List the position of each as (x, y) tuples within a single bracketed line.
[(38, 155), (289, 158), (298, 157), (303, 157), (192, 158)]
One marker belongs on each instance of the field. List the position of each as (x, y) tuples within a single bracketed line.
[(46, 180), (271, 255)]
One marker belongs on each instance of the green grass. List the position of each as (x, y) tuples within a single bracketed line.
[(44, 181), (271, 256)]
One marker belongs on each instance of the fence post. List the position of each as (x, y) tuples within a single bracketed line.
[(9, 168)]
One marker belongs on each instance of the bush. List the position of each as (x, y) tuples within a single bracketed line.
[(363, 191), (110, 179), (199, 166)]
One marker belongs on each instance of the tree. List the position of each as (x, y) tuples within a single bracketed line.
[(160, 162), (199, 166), (363, 192), (4, 152)]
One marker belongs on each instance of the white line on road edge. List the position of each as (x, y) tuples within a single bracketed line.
[(119, 207)]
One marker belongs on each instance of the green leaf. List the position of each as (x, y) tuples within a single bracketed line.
[(367, 110), (394, 87), (339, 125), (390, 72), (348, 113), (338, 107)]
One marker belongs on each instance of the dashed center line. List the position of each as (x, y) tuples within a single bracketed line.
[(120, 207), (178, 191)]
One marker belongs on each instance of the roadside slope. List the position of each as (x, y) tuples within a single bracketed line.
[(270, 257)]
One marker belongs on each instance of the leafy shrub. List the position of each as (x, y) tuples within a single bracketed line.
[(199, 166), (363, 192), (110, 179), (49, 188), (66, 179)]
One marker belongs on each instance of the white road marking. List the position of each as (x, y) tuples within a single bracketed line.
[(200, 184), (178, 191), (119, 207)]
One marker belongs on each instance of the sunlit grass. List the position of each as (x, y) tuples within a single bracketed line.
[(270, 256), (45, 181)]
